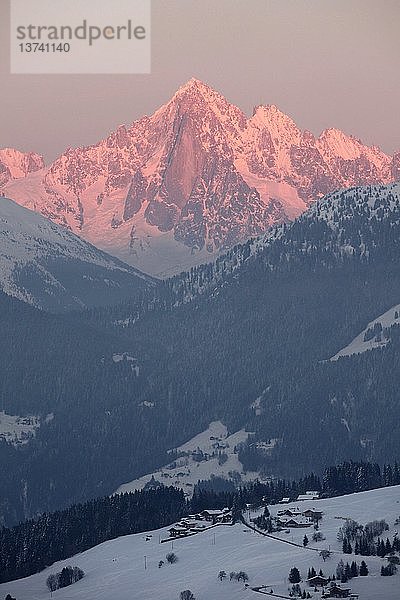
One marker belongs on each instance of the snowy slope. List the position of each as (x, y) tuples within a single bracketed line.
[(50, 267), (359, 344), (338, 210), (115, 569), (185, 472), (350, 222)]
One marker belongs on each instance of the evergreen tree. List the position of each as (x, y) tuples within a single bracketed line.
[(294, 575), (354, 569), (340, 570), (363, 569), (347, 549)]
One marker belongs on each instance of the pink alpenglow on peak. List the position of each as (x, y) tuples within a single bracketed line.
[(178, 187), (15, 164)]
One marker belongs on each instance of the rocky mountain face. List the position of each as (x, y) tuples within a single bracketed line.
[(175, 189), (353, 225), (15, 164)]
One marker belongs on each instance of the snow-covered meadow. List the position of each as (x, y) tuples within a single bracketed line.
[(362, 342), (116, 569), (185, 471), (19, 429)]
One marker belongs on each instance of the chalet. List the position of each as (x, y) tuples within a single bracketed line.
[(287, 512), (198, 517), (226, 517), (314, 515), (292, 523), (337, 592), (308, 496), (318, 581), (178, 531), (212, 515), (284, 501), (184, 524), (190, 524)]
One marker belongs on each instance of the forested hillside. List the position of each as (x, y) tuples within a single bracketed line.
[(125, 384)]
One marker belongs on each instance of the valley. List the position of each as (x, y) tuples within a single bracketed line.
[(200, 301)]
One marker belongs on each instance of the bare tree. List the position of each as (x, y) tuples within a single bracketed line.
[(186, 595), (221, 575), (171, 558), (52, 582)]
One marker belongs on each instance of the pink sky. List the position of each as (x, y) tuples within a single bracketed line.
[(325, 63)]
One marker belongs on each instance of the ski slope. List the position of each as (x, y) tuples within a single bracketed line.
[(115, 569)]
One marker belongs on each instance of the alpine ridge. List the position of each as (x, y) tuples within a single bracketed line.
[(198, 176), (50, 267), (15, 164)]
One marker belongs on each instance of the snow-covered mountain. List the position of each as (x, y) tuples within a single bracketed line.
[(15, 164), (359, 222), (198, 176), (50, 267)]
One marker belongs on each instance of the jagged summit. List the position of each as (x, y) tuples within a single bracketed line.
[(178, 187), (195, 90), (270, 110), (15, 164), (194, 84)]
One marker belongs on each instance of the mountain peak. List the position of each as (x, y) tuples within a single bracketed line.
[(15, 164), (265, 114), (267, 109), (195, 177), (198, 91), (193, 84), (345, 146)]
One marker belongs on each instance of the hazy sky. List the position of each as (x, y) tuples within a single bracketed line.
[(327, 63)]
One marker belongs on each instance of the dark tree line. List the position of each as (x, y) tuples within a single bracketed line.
[(346, 478), (34, 544), (31, 546)]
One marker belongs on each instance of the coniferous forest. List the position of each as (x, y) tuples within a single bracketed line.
[(295, 299)]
